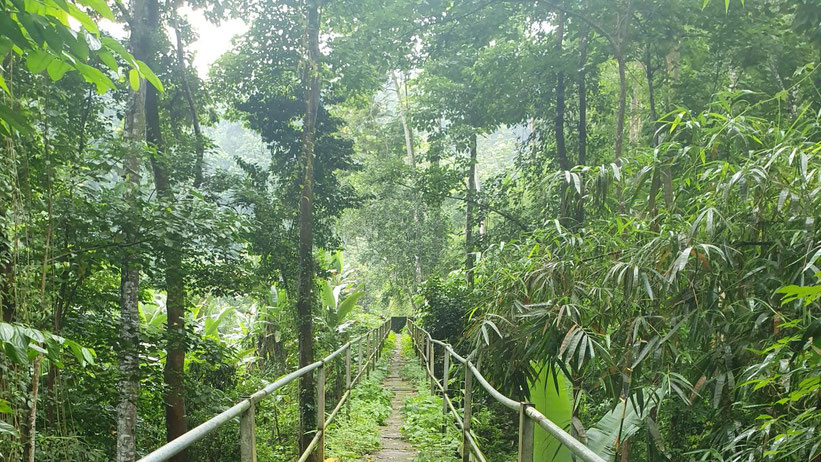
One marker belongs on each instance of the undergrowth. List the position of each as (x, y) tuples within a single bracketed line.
[(355, 431), (423, 415)]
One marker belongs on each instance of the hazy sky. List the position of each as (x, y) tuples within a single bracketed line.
[(213, 40)]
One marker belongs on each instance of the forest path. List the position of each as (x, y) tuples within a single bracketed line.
[(394, 448)]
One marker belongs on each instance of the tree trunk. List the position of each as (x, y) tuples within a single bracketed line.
[(129, 356), (618, 146), (655, 184), (403, 118), (129, 386), (311, 82), (624, 455), (618, 51), (582, 84), (619, 138), (199, 143), (173, 372), (481, 215), (32, 417), (7, 293), (624, 21), (66, 295), (469, 206), (6, 276), (561, 150), (635, 127)]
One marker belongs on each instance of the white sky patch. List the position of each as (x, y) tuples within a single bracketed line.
[(213, 40), (116, 29), (539, 28)]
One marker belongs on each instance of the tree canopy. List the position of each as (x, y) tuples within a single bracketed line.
[(613, 205)]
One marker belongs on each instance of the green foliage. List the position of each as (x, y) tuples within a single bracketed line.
[(807, 294), (552, 395), (355, 432), (617, 426), (40, 35), (652, 296), (444, 308), (335, 307), (422, 414), (21, 344), (787, 377), (674, 287)]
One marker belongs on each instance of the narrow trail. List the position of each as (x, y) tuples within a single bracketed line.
[(394, 448)]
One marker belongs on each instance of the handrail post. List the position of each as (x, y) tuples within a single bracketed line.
[(423, 345), (320, 412), (466, 413), (248, 435), (379, 344), (374, 349), (348, 378), (445, 371), (348, 368), (368, 354), (526, 434), (359, 357), (432, 373), (424, 355), (420, 344)]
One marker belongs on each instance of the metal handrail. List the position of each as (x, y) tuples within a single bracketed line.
[(528, 415), (245, 408)]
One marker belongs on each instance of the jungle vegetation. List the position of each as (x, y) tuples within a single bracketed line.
[(614, 204)]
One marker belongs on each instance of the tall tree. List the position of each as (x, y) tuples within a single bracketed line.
[(173, 372), (134, 128), (199, 139), (582, 125), (403, 104), (561, 150), (305, 299), (470, 200)]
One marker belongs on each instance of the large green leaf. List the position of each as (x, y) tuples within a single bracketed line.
[(552, 395), (627, 416), (5, 407), (328, 296), (8, 429), (347, 305), (212, 324), (101, 7)]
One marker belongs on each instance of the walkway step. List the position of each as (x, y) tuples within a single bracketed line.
[(394, 448)]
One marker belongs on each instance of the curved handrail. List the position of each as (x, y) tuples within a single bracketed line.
[(245, 408), (526, 410)]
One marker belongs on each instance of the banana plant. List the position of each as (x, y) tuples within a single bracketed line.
[(153, 315), (552, 395), (338, 301), (338, 293)]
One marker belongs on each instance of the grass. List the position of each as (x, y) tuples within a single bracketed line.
[(355, 433), (423, 415)]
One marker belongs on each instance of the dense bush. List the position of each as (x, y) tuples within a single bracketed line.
[(355, 432), (423, 419), (445, 308)]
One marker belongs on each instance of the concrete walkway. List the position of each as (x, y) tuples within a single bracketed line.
[(394, 448)]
